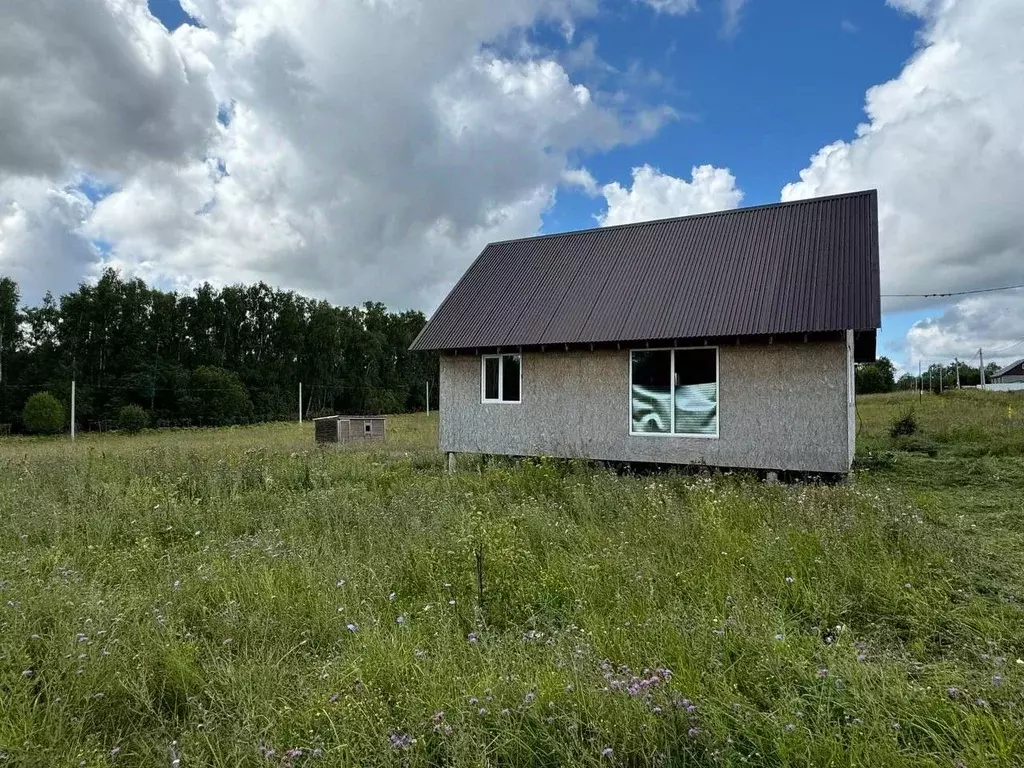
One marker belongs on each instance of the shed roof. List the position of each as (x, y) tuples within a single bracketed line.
[(800, 267), (1007, 369)]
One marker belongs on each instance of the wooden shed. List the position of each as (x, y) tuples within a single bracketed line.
[(349, 429)]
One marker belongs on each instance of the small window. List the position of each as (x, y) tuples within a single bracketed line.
[(368, 427), (674, 392), (502, 379)]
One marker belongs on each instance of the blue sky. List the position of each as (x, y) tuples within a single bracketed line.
[(358, 151), (760, 101)]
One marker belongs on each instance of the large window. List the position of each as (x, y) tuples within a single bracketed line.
[(674, 392), (501, 379)]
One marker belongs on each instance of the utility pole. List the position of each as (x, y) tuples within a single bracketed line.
[(957, 361), (72, 410), (300, 402), (981, 367), (942, 374), (920, 381)]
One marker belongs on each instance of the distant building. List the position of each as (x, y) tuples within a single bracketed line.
[(726, 339), (1012, 373)]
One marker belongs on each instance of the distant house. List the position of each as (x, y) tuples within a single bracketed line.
[(1012, 373), (724, 339)]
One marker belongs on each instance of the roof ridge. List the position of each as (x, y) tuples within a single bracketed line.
[(706, 214)]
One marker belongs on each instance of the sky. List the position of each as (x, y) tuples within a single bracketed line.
[(368, 149)]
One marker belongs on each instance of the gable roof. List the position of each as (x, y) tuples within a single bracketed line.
[(799, 267), (1007, 369)]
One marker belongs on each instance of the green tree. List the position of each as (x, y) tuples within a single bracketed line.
[(132, 419), (43, 414), (217, 396), (879, 376)]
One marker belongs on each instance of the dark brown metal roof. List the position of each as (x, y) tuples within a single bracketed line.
[(801, 267)]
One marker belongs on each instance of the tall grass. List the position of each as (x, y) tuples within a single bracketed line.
[(239, 598)]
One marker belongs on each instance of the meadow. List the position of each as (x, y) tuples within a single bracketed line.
[(238, 597)]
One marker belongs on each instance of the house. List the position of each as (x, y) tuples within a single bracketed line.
[(1012, 373), (724, 339)]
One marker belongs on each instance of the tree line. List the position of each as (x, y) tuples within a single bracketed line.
[(880, 376), (210, 357)]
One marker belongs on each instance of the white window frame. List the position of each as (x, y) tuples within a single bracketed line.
[(672, 410), (501, 378)]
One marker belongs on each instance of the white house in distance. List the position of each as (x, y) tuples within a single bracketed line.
[(724, 339)]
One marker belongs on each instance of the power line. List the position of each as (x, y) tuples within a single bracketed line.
[(950, 293)]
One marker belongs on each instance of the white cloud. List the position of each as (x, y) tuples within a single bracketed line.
[(656, 195), (40, 245), (988, 323), (672, 7), (732, 10), (374, 147), (99, 84), (944, 148)]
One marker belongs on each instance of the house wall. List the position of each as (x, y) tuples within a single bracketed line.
[(782, 406)]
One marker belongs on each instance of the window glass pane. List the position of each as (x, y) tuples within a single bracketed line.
[(490, 378), (510, 366), (696, 400), (651, 396)]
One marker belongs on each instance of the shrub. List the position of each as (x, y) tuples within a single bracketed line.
[(132, 419), (903, 425), (43, 414)]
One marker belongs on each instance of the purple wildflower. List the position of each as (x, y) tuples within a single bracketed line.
[(997, 681), (982, 703), (472, 637), (607, 752), (437, 716), (401, 740), (694, 732), (953, 692), (823, 672), (352, 627), (291, 754)]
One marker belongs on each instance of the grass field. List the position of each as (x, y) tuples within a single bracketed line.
[(239, 598)]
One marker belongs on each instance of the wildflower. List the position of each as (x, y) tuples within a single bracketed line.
[(352, 627), (607, 752), (789, 579), (317, 752), (341, 583), (823, 672), (789, 728), (400, 620), (862, 657), (401, 740), (528, 698), (334, 697), (907, 586), (896, 726), (482, 711), (27, 673), (982, 703), (177, 584), (115, 751), (953, 692), (472, 637), (391, 596), (473, 700), (656, 710), (505, 712), (569, 688), (227, 641), (419, 653), (437, 716), (780, 637), (997, 681), (694, 732)]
